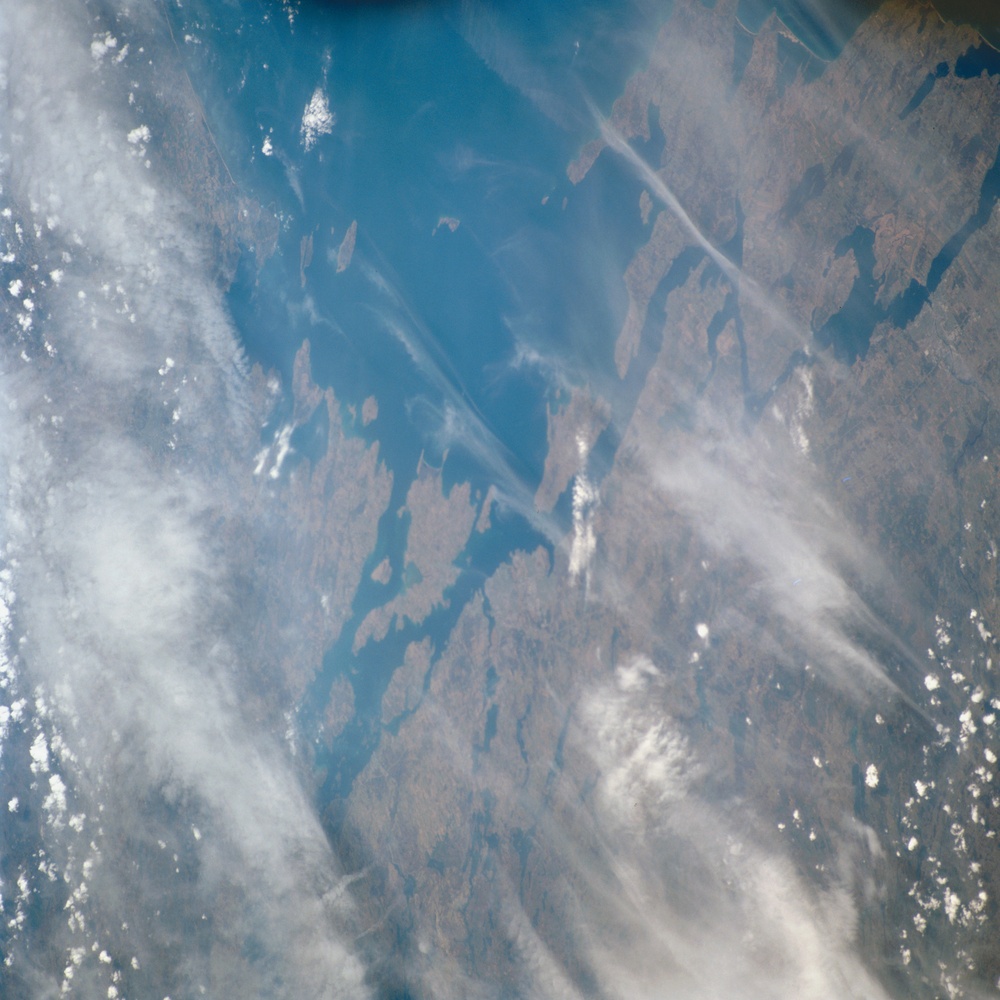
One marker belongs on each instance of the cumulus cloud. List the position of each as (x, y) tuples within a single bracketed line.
[(317, 119), (585, 499), (122, 628)]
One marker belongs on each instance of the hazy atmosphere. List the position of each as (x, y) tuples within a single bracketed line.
[(499, 501)]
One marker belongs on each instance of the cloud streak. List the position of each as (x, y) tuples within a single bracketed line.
[(454, 419), (751, 292), (190, 855), (754, 500)]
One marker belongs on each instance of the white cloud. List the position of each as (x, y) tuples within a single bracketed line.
[(101, 45), (484, 31), (129, 640), (55, 802), (692, 903), (645, 763), (585, 499), (39, 751), (317, 119), (753, 499)]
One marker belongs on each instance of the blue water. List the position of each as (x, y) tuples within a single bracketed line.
[(849, 330), (909, 303), (976, 60), (940, 71), (427, 144)]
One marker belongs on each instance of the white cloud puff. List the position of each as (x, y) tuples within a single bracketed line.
[(317, 119)]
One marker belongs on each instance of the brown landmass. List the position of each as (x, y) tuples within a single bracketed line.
[(645, 271), (339, 708), (439, 528), (188, 151), (484, 521), (896, 437), (382, 573), (581, 420), (476, 825), (305, 258), (645, 206), (313, 503), (346, 251), (406, 689)]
